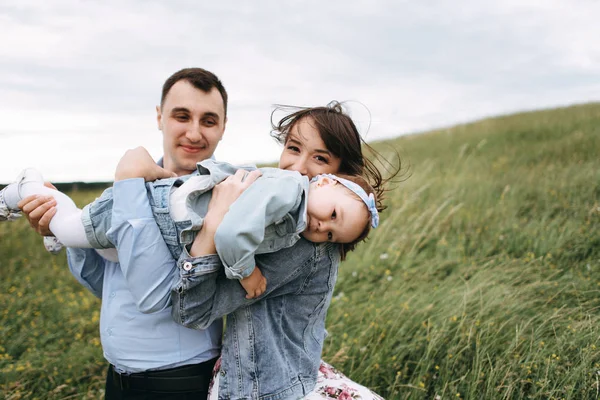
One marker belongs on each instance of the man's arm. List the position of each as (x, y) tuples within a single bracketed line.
[(146, 262), (39, 211), (87, 267)]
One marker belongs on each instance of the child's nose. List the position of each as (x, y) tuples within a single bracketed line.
[(323, 226)]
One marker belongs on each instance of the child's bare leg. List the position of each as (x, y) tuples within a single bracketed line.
[(66, 225), (255, 284)]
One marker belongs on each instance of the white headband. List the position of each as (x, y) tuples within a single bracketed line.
[(369, 200)]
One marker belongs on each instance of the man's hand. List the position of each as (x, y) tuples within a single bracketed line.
[(39, 211), (255, 284), (137, 163)]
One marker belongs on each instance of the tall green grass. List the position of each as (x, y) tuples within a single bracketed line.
[(482, 281), (49, 340)]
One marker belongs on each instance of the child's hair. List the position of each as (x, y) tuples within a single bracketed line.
[(345, 248)]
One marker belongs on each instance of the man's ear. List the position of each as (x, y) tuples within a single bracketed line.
[(224, 126), (159, 118)]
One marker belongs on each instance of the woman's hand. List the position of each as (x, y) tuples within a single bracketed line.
[(39, 211), (223, 196), (138, 163), (226, 193)]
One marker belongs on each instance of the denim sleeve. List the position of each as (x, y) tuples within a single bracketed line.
[(96, 220), (204, 293), (242, 230), (87, 267), (147, 265)]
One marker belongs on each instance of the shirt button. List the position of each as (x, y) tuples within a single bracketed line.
[(222, 372), (187, 265), (113, 294)]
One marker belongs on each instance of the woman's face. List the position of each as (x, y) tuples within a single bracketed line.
[(305, 152)]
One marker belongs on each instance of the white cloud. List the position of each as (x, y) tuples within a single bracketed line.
[(79, 79)]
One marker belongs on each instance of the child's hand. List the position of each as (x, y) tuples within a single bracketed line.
[(138, 163), (255, 284)]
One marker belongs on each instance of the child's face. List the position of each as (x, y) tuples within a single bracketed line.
[(334, 214)]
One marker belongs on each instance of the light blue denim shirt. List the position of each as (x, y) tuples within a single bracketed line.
[(132, 340)]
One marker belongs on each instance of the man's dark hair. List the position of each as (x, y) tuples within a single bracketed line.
[(200, 79)]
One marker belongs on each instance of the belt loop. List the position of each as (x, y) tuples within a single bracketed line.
[(122, 379)]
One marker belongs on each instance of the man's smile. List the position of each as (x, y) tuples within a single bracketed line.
[(192, 149)]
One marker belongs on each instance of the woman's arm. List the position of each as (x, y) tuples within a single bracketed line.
[(87, 267), (223, 196), (204, 293), (242, 230)]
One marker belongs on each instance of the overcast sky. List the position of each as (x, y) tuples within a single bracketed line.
[(79, 80)]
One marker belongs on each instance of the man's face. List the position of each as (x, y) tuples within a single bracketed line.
[(192, 123)]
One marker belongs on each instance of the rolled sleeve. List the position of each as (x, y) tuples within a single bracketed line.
[(190, 265)]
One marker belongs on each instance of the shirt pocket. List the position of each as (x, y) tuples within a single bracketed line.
[(279, 235)]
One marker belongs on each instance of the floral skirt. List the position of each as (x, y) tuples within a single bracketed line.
[(331, 384)]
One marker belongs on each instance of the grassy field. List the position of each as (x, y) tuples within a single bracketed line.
[(482, 281)]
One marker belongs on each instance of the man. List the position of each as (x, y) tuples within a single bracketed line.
[(150, 355)]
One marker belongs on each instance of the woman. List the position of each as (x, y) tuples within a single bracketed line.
[(316, 140)]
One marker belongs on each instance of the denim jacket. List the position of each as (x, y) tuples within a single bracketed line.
[(272, 345), (268, 216)]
